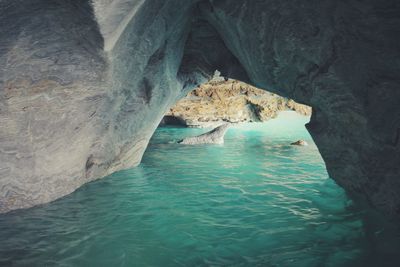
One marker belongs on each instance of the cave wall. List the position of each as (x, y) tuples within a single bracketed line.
[(83, 84), (81, 96), (340, 57)]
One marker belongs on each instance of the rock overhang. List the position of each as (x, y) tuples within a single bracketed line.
[(87, 82)]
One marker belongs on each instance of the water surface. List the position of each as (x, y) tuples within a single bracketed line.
[(254, 201)]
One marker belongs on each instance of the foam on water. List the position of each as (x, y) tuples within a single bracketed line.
[(254, 201)]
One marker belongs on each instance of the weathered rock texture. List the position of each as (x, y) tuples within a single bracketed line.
[(229, 101), (215, 136), (83, 84)]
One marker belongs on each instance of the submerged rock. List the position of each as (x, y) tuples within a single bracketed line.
[(215, 136), (299, 143)]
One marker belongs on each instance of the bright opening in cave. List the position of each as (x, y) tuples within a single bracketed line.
[(230, 101)]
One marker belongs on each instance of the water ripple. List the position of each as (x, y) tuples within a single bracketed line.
[(255, 201)]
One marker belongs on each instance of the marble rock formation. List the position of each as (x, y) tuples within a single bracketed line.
[(215, 136), (229, 101), (84, 83)]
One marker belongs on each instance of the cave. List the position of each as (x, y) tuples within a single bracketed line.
[(84, 84)]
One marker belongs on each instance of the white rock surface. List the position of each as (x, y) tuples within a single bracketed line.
[(215, 136)]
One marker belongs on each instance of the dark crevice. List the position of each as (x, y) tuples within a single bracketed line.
[(145, 90)]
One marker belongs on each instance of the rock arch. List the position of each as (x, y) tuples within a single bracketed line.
[(83, 84)]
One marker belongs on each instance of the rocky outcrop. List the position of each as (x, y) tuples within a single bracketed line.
[(83, 84), (215, 136), (229, 101)]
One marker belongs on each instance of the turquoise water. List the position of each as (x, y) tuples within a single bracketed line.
[(254, 201)]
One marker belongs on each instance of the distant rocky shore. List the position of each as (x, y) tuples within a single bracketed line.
[(228, 101)]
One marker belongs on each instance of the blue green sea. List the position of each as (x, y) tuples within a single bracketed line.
[(253, 201)]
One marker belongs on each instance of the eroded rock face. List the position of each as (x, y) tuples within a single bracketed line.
[(229, 101), (83, 84)]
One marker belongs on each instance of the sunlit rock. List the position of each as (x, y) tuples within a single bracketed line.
[(230, 101)]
